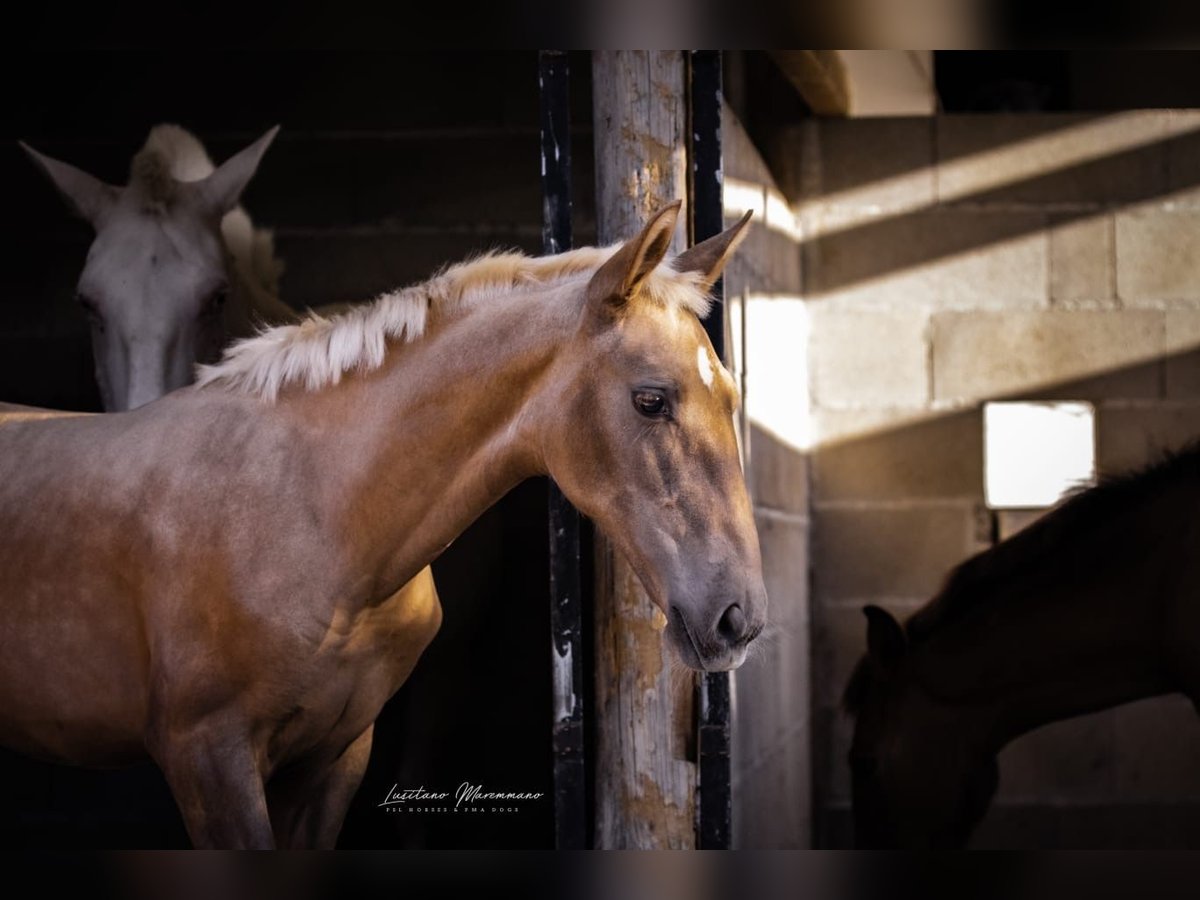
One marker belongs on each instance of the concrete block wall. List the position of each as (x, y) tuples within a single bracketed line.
[(955, 259), (766, 315)]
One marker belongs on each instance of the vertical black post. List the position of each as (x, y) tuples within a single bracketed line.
[(714, 811), (566, 614)]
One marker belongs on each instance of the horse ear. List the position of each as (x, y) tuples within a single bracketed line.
[(89, 197), (622, 274), (708, 258), (221, 191), (886, 644)]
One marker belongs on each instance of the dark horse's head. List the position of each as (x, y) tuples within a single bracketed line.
[(920, 779)]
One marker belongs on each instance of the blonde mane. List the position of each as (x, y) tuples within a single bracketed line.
[(317, 351)]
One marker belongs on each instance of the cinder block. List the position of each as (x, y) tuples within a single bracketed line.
[(1010, 521), (835, 767), (944, 258), (890, 455), (783, 539), (771, 259), (778, 473), (775, 334), (865, 553), (773, 803), (1183, 349), (1158, 750), (739, 157), (1051, 158), (1158, 257), (879, 165), (864, 359), (1183, 157), (765, 711), (1081, 353), (1069, 761), (1082, 261), (1128, 438)]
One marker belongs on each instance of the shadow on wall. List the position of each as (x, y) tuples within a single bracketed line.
[(894, 510), (1028, 171)]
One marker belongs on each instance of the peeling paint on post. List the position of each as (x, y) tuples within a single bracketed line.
[(645, 727)]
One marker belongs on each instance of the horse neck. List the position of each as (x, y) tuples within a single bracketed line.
[(1048, 645), (419, 448)]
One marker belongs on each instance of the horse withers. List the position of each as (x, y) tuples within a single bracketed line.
[(1092, 606), (224, 567)]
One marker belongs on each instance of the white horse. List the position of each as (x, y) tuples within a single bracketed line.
[(176, 269)]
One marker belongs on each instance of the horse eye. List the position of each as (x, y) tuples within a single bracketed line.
[(651, 404), (217, 299), (90, 308)]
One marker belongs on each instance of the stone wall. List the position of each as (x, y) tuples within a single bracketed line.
[(956, 259)]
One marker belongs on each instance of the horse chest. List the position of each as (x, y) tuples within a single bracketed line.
[(349, 678)]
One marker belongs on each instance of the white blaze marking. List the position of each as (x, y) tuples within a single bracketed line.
[(704, 364)]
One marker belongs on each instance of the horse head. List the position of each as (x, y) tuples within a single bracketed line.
[(649, 449), (920, 778), (158, 272)]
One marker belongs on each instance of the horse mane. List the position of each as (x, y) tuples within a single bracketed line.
[(1069, 523), (169, 156), (974, 580), (173, 155), (317, 351)]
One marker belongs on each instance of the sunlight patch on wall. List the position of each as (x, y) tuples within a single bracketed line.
[(1034, 453), (776, 374), (771, 208)]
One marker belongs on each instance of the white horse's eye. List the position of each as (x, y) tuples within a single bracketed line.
[(91, 308), (216, 300)]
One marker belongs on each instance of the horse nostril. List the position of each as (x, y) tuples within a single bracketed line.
[(732, 626)]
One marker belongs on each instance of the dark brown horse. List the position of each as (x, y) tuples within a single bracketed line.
[(1092, 606)]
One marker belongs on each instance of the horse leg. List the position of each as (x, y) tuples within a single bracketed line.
[(218, 787), (309, 804)]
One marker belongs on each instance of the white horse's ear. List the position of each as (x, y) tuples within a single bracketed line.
[(87, 195), (708, 258), (221, 191), (622, 274)]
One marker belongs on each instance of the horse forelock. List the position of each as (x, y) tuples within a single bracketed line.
[(316, 352), (169, 157)]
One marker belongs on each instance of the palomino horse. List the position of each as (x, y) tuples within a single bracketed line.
[(176, 269), (215, 579), (1091, 606)]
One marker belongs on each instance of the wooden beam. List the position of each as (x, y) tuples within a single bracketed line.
[(645, 724), (820, 78)]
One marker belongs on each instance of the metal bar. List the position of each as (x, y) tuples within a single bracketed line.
[(566, 600), (714, 809)]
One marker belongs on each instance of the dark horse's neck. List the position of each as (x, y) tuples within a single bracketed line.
[(1083, 610)]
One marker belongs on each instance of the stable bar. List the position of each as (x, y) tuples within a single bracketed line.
[(566, 606), (714, 808)]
